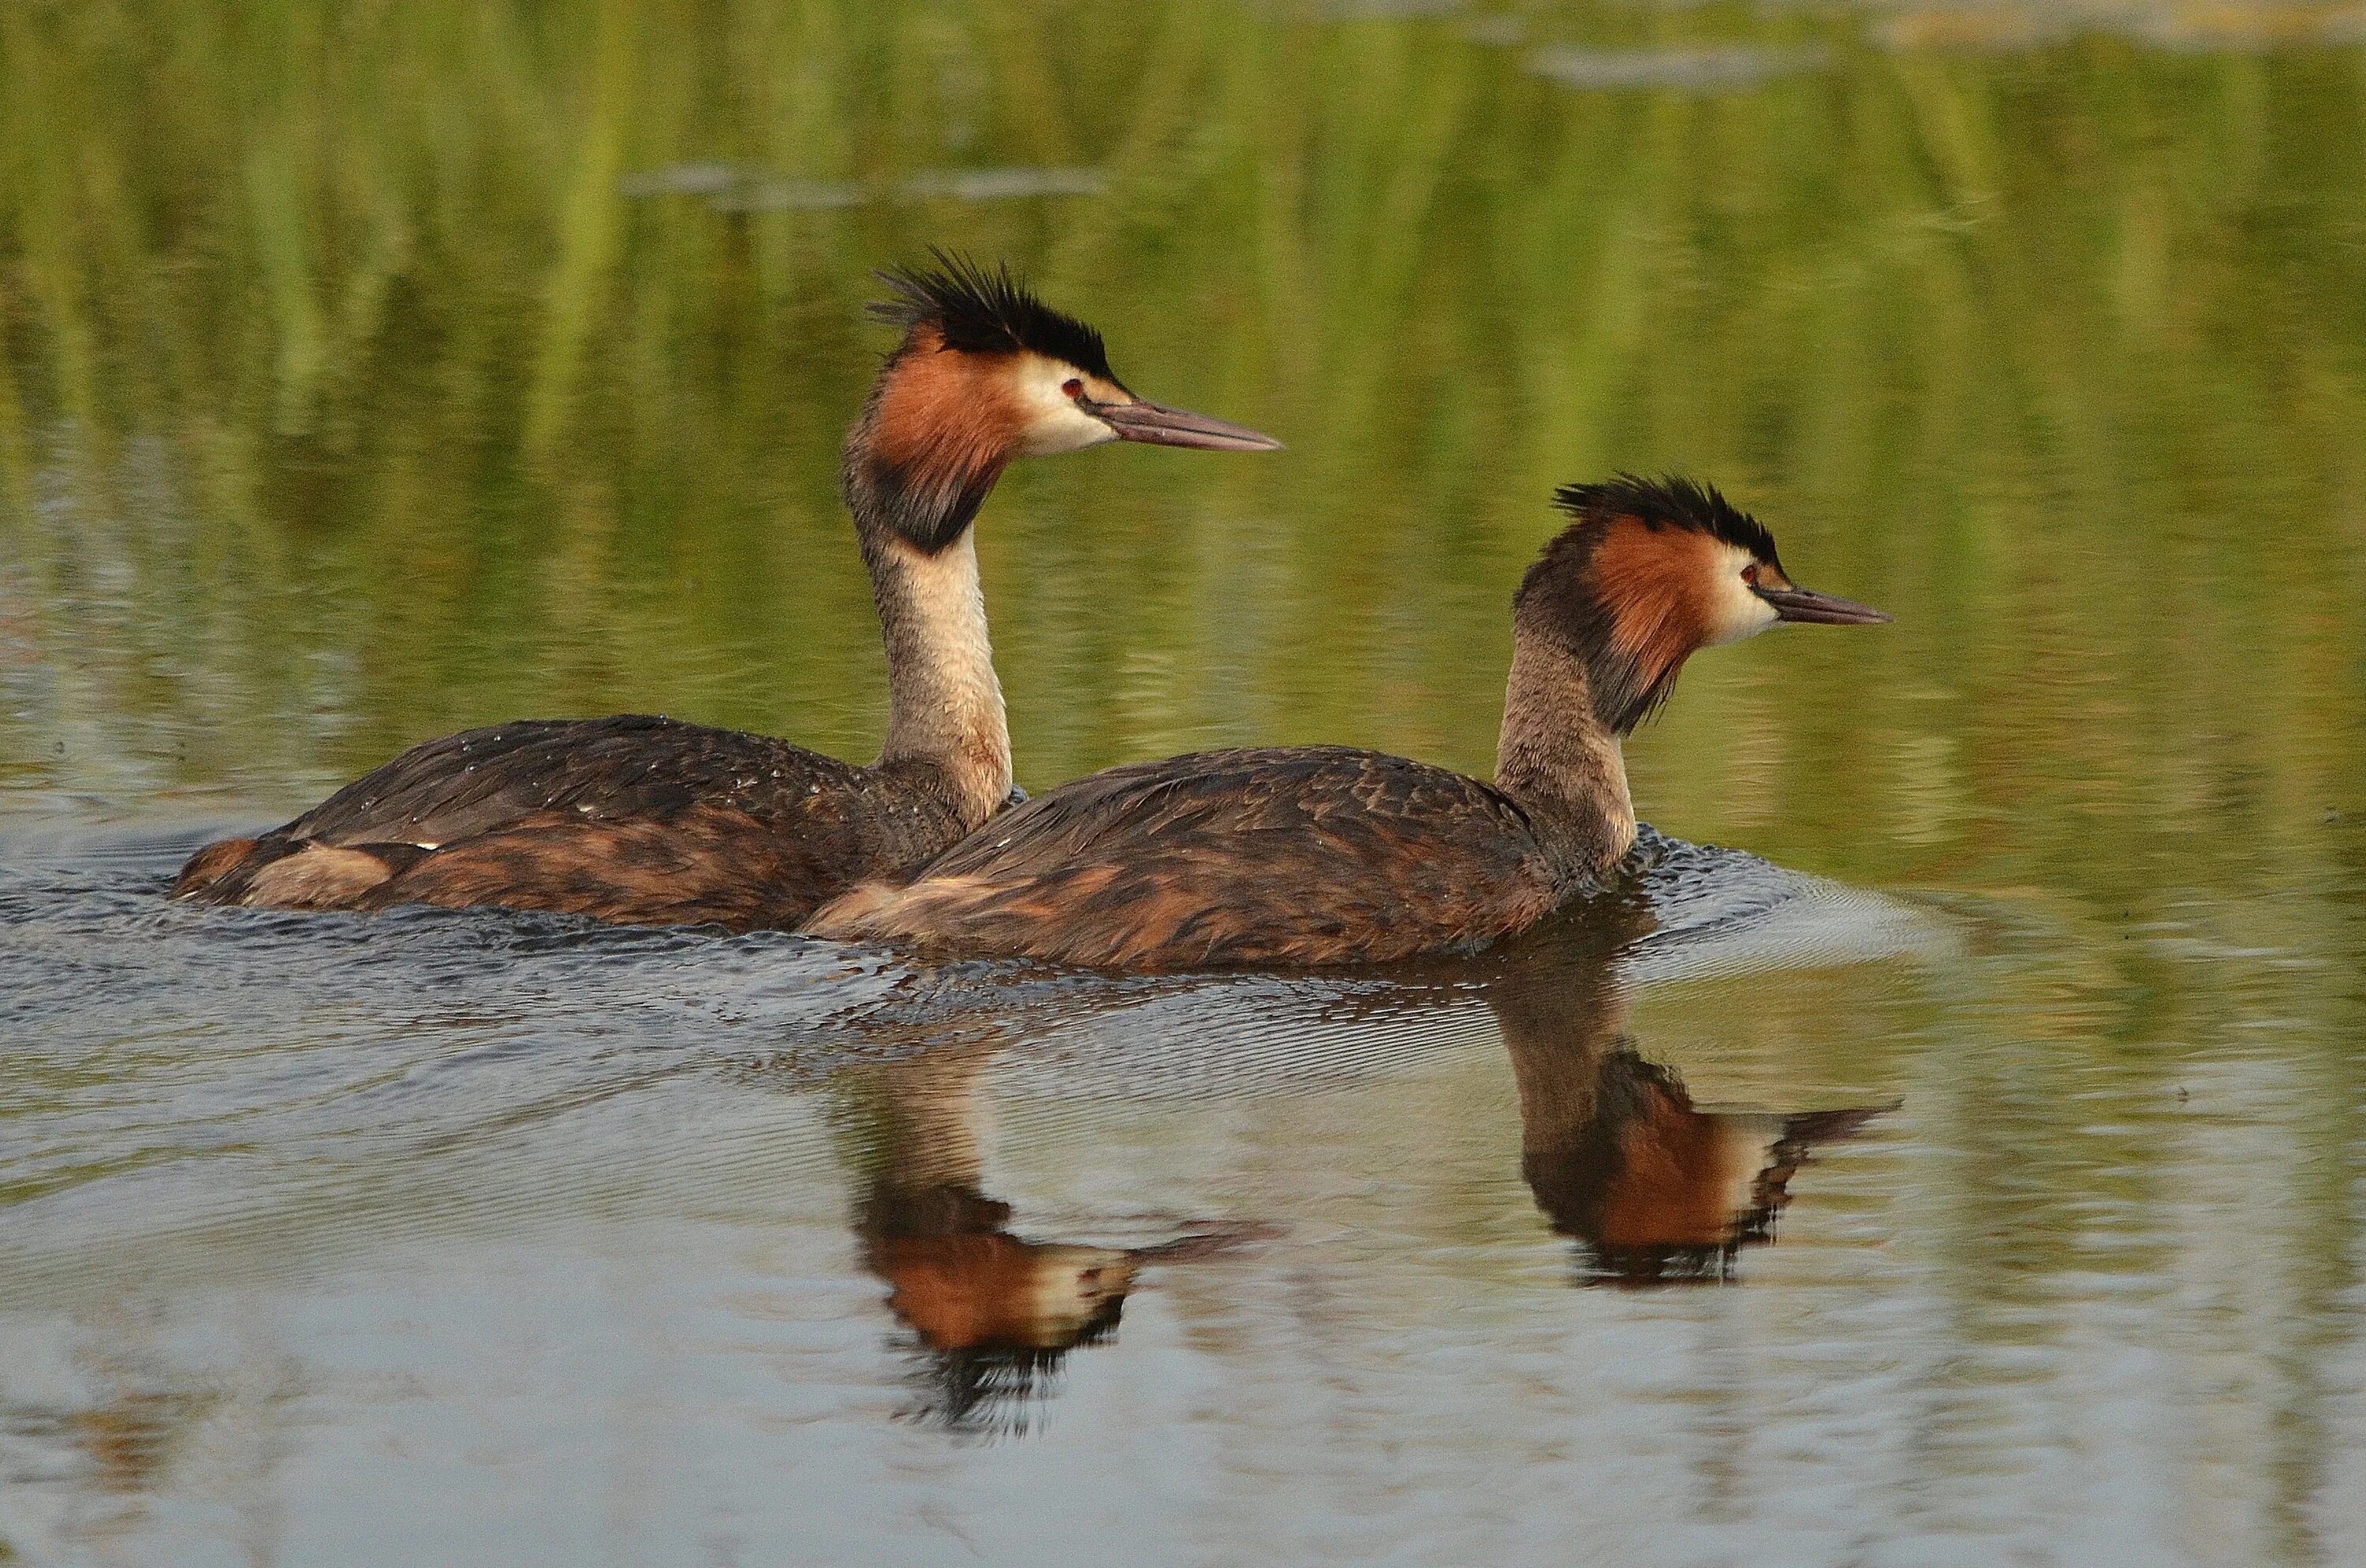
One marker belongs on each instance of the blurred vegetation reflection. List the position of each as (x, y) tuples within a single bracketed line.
[(374, 372), (371, 371)]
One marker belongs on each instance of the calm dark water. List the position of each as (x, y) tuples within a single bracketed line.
[(1966, 1168)]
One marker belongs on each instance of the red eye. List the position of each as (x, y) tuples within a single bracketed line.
[(1072, 387), (1749, 574)]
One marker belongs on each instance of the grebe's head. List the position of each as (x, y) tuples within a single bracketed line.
[(1649, 570), (986, 372)]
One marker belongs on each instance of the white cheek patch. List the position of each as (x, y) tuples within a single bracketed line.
[(1735, 612), (1055, 423)]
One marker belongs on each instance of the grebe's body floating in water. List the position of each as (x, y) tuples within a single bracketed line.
[(650, 820), (1318, 855)]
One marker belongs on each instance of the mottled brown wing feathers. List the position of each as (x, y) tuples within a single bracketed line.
[(633, 818), (630, 766), (1302, 855), (706, 864)]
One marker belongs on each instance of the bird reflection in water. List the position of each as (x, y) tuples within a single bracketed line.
[(993, 1314), (1652, 1188)]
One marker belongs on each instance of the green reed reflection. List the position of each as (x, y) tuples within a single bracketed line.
[(353, 398), (368, 371)]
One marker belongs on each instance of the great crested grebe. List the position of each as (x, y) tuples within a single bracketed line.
[(1321, 854), (654, 821)]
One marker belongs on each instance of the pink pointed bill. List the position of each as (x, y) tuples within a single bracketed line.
[(1821, 609), (1163, 427)]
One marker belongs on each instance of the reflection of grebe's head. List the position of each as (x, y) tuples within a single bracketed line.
[(996, 1291), (996, 1316), (1655, 1189)]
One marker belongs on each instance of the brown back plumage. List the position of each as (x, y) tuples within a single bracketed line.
[(632, 819), (1312, 855)]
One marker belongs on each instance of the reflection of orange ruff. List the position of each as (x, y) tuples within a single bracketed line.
[(1686, 1178), (1712, 1178), (1654, 1188), (997, 1292)]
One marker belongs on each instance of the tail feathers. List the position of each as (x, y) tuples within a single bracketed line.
[(279, 873), (210, 866)]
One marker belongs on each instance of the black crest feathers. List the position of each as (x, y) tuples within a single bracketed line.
[(1560, 597), (985, 310), (1669, 502)]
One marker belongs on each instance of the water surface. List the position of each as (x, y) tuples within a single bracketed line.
[(1964, 1168)]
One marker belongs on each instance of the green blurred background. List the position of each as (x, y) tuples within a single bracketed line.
[(373, 370)]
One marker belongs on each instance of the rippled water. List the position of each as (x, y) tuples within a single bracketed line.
[(441, 1236), (1974, 1179)]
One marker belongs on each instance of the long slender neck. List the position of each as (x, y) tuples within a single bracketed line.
[(1557, 758), (919, 463), (944, 705)]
